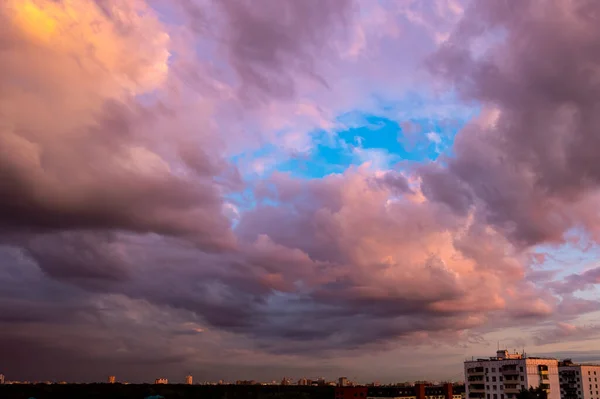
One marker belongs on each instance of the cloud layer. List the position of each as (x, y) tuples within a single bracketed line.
[(140, 225)]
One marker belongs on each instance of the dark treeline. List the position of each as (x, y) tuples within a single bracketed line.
[(141, 391)]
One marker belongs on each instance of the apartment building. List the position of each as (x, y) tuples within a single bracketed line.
[(506, 374), (578, 381)]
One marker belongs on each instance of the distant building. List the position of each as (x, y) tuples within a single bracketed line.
[(111, 379), (189, 379), (1, 379), (578, 381), (245, 382), (303, 381), (505, 375), (161, 381), (342, 382)]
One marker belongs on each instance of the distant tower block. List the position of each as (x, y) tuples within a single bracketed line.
[(189, 379), (111, 379)]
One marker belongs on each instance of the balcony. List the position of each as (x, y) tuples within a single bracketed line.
[(476, 371), (510, 370), (475, 378), (477, 388), (512, 388)]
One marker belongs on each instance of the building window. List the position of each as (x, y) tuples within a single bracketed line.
[(522, 378), (487, 379), (488, 396), (494, 370), (495, 387), (495, 396), (493, 379), (488, 387), (501, 396), (501, 379)]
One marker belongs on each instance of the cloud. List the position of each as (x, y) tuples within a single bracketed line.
[(577, 281), (77, 150), (271, 41), (566, 332), (123, 229), (528, 160)]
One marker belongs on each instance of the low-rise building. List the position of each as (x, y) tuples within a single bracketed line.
[(161, 381)]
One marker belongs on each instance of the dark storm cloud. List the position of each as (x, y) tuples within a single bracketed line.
[(80, 255)]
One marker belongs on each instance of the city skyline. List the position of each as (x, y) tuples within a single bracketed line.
[(259, 189)]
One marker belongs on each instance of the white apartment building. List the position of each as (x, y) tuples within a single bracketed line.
[(579, 381), (503, 376)]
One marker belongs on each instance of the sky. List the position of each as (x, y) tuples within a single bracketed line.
[(259, 189)]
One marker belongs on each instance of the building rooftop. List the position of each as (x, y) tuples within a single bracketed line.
[(506, 355)]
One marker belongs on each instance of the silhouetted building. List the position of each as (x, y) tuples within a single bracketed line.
[(342, 382), (420, 390), (1, 379), (351, 392)]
